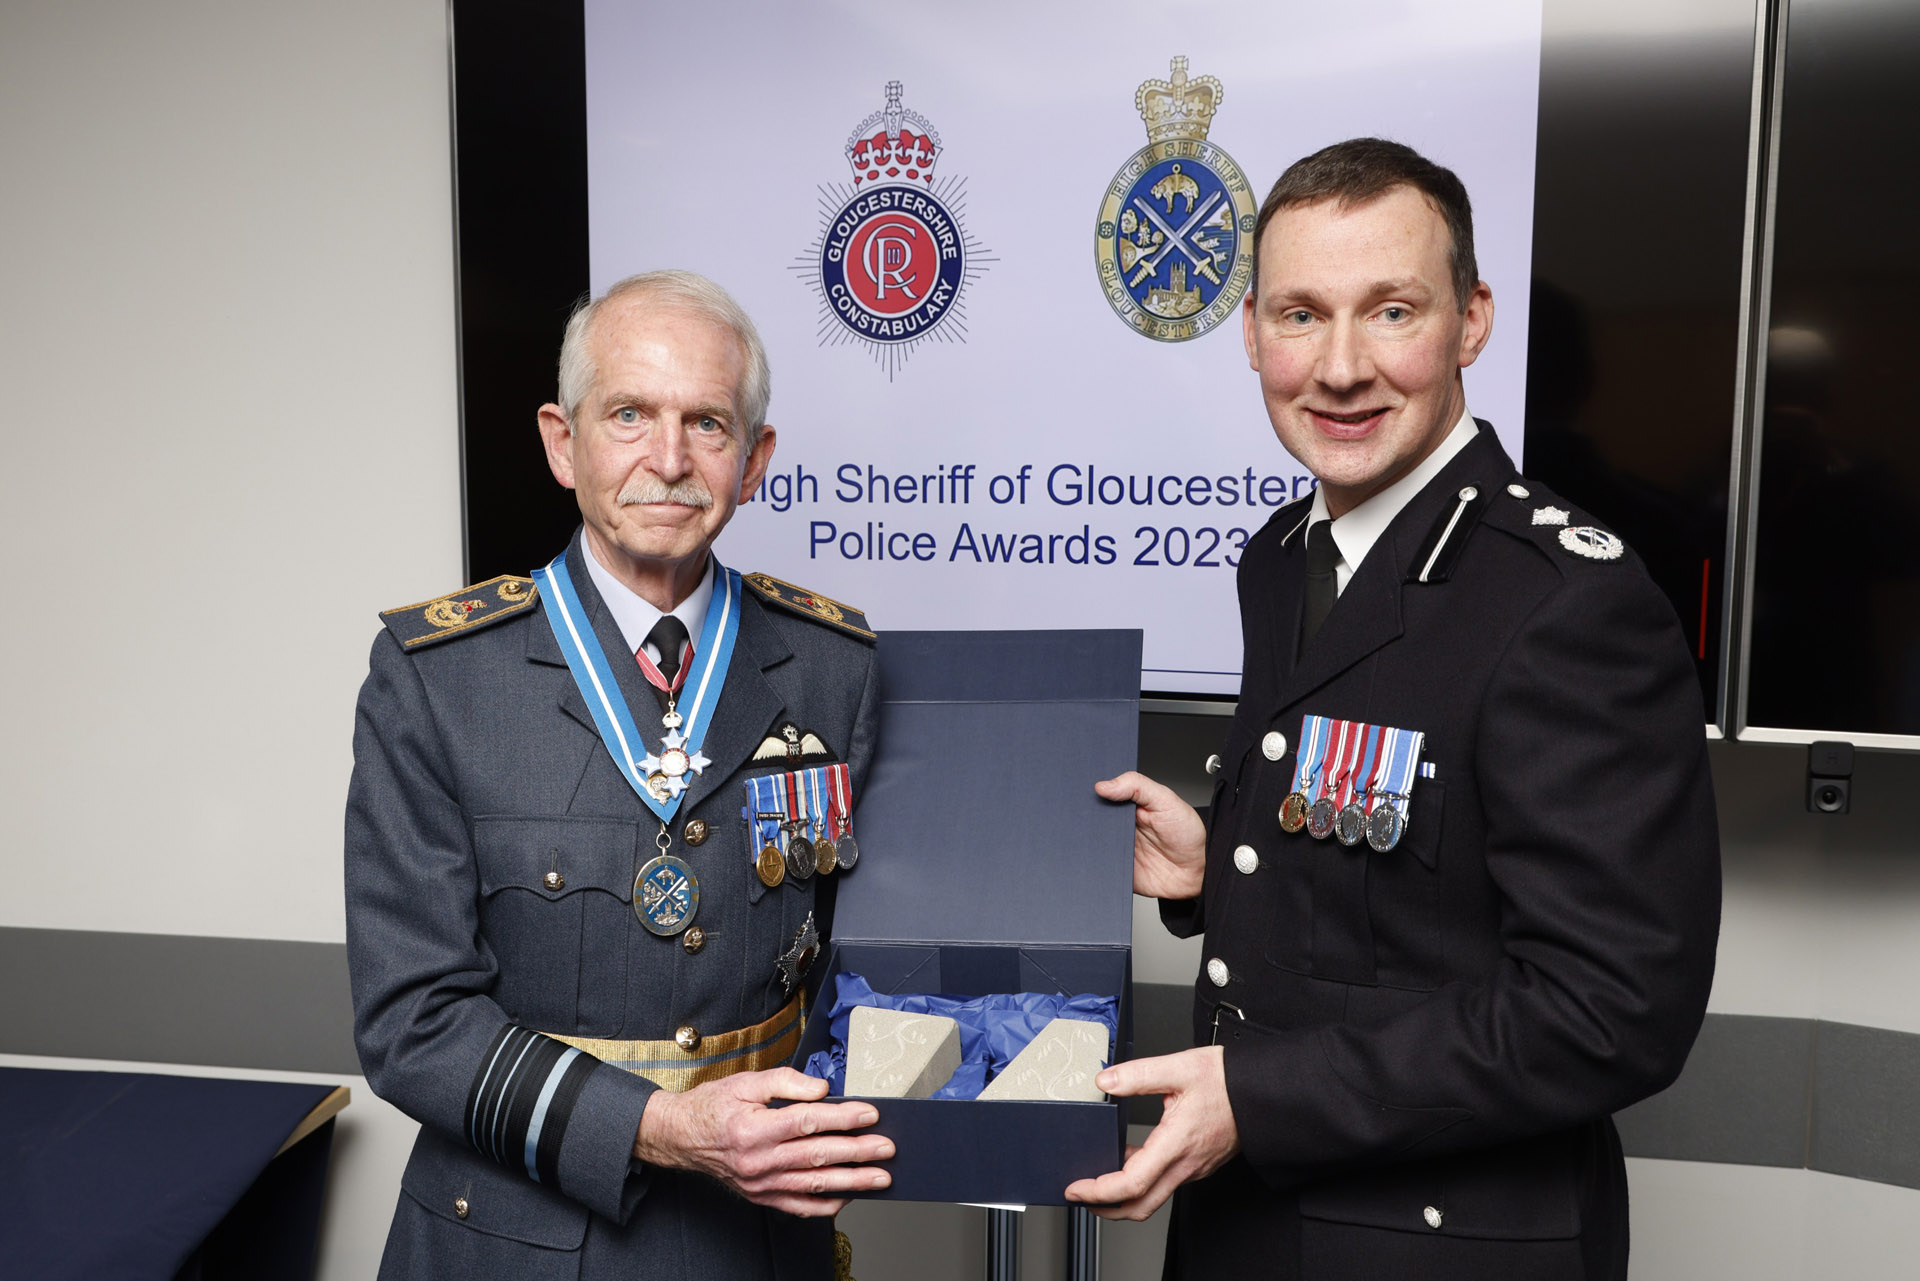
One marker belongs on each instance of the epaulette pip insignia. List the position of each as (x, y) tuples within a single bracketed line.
[(1552, 527), (811, 605), (456, 614)]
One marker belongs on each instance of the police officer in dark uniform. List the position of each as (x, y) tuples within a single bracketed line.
[(573, 961), (1412, 1030)]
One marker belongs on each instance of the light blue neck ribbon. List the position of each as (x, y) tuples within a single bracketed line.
[(591, 672)]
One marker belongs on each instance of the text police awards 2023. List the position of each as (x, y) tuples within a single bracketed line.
[(1060, 485)]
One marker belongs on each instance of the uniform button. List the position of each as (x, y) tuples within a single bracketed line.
[(1468, 494), (555, 881), (1217, 972), (694, 939), (1213, 764), (1432, 1216), (1518, 490), (1245, 859), (1274, 745), (687, 1038), (696, 831), (460, 1207)]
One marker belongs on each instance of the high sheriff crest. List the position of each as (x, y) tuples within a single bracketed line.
[(892, 259), (1174, 244)]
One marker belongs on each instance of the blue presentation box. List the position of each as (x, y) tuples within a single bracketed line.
[(987, 864)]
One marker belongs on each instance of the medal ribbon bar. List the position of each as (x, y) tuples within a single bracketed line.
[(1379, 785), (1369, 761), (1322, 808), (796, 802), (840, 804), (592, 673), (1402, 766), (1323, 781), (1314, 732), (765, 813), (813, 782), (1352, 737), (1350, 822), (815, 779)]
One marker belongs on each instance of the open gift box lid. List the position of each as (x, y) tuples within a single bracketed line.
[(989, 865), (979, 823)]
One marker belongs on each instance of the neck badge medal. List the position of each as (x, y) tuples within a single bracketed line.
[(892, 261), (1174, 240)]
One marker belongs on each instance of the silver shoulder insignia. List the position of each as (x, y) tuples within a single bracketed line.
[(1595, 544), (1550, 516)]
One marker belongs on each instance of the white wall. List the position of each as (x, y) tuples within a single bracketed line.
[(227, 373)]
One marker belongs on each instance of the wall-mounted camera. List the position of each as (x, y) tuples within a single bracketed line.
[(1829, 778)]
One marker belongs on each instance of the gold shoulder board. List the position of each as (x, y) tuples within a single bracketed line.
[(456, 614), (810, 605)]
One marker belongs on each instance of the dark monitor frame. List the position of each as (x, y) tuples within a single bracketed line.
[(1608, 142)]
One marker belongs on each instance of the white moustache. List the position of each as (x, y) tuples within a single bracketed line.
[(690, 492)]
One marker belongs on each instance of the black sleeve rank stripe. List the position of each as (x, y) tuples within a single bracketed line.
[(559, 1113), (496, 1092), (522, 1098), (506, 1045)]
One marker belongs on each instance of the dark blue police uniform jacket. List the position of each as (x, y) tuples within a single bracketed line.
[(477, 771), (1434, 1037)]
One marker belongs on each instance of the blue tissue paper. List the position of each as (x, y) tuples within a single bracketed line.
[(993, 1029)]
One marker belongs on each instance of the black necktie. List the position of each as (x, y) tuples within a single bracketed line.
[(1316, 602), (669, 638)]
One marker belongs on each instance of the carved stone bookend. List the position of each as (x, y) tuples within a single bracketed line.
[(891, 1055), (1060, 1064)]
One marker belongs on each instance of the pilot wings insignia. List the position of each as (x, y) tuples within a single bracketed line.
[(792, 743)]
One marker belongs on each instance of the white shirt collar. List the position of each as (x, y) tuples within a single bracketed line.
[(1356, 532), (636, 616)]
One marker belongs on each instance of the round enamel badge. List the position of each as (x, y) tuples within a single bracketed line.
[(1594, 544), (892, 264), (666, 895), (892, 259)]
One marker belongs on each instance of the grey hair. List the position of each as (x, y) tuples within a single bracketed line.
[(684, 289)]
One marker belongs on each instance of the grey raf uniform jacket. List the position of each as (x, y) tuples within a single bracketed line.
[(477, 772), (1423, 1047)]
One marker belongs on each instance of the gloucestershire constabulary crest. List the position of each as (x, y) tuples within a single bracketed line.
[(892, 260), (1174, 244)]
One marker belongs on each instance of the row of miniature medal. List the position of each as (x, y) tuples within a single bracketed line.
[(798, 823), (801, 823), (1352, 782)]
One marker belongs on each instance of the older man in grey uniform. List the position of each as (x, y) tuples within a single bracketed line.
[(567, 962)]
